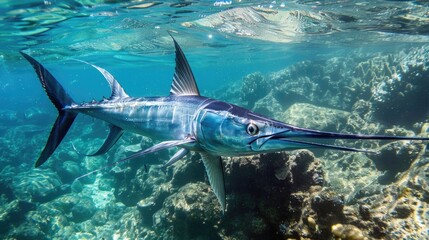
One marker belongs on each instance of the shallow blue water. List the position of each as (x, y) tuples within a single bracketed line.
[(223, 42), (133, 42)]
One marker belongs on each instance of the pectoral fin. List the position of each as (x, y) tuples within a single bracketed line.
[(176, 157), (215, 173), (159, 146), (154, 148)]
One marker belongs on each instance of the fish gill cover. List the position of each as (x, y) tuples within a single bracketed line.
[(349, 67)]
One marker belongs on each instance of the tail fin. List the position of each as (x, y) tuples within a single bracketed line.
[(60, 99)]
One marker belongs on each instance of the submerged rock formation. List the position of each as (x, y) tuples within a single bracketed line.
[(330, 195), (374, 97), (314, 117)]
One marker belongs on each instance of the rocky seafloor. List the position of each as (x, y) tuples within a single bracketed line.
[(286, 195)]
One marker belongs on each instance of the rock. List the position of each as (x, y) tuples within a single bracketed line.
[(83, 210), (135, 180), (143, 185), (188, 170), (192, 212), (66, 202), (347, 232), (303, 170), (13, 213), (76, 187), (314, 117), (249, 224), (147, 208), (328, 207), (242, 172), (364, 212), (99, 218), (106, 184), (269, 106), (394, 158), (39, 185), (312, 223), (362, 125), (6, 177), (361, 108), (81, 235), (296, 84), (130, 226), (272, 189), (69, 171), (28, 231), (352, 175), (49, 220), (253, 87), (397, 98), (403, 210), (150, 205)]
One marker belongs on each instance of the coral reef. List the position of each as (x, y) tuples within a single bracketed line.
[(37, 185), (253, 87), (401, 90), (190, 213), (310, 116), (13, 213), (367, 187), (347, 232), (296, 195)]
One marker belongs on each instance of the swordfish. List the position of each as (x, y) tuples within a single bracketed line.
[(185, 120)]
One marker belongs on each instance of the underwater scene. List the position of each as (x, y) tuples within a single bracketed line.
[(152, 153)]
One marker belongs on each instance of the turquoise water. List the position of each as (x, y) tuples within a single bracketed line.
[(124, 33), (224, 41)]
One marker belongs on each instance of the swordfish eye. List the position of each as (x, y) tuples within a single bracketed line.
[(252, 129)]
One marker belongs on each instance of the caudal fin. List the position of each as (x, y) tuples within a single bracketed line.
[(60, 99)]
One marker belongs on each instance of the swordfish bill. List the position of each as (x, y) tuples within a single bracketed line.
[(187, 121)]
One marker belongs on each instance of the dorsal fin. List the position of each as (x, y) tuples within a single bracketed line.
[(117, 90), (183, 79)]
